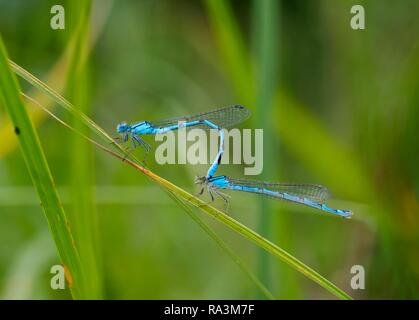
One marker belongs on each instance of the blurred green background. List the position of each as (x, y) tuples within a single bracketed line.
[(338, 107)]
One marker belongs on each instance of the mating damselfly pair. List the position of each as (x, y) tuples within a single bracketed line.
[(307, 194)]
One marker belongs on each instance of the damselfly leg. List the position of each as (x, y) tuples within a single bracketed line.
[(226, 198)]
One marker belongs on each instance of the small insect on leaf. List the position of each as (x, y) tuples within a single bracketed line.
[(17, 130)]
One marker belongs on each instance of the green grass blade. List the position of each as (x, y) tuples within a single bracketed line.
[(41, 176), (83, 214), (179, 192), (233, 50), (61, 101), (266, 38)]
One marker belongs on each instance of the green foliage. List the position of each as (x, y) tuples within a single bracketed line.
[(343, 114), (83, 214), (41, 176), (193, 200)]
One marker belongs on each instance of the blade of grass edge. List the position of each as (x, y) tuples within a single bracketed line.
[(61, 101), (41, 175)]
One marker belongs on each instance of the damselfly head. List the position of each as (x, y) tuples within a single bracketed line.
[(200, 180), (122, 127)]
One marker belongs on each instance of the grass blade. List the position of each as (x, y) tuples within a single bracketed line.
[(83, 214), (61, 101), (266, 39), (40, 173), (233, 50)]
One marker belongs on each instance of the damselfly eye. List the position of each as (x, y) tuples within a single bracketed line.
[(122, 127)]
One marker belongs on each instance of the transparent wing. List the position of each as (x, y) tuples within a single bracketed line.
[(223, 117), (313, 192)]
